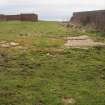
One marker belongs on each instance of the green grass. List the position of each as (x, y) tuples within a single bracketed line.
[(44, 72)]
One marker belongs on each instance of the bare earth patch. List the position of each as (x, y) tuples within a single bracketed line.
[(82, 41)]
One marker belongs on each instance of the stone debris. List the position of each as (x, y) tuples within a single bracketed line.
[(82, 41), (5, 44), (50, 55), (68, 101), (14, 44)]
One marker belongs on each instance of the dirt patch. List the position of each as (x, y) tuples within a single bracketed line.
[(5, 44), (82, 41)]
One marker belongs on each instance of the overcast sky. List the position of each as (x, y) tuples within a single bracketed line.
[(50, 9)]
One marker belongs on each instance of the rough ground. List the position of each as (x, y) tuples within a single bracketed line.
[(82, 41), (37, 69)]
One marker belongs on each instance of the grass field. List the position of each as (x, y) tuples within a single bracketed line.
[(44, 72)]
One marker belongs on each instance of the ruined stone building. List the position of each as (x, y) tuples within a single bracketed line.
[(21, 17), (93, 18)]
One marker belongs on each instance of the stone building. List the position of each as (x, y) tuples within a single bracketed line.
[(21, 17), (2, 17), (29, 17), (93, 18)]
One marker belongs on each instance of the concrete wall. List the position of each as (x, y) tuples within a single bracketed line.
[(93, 18), (21, 17)]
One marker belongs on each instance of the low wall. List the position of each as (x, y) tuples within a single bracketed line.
[(31, 17), (93, 18), (2, 18), (21, 17), (12, 17)]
